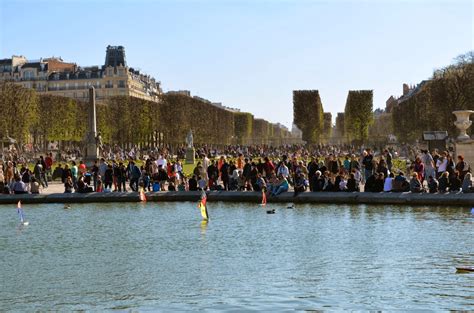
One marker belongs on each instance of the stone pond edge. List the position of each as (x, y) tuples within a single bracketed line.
[(406, 198)]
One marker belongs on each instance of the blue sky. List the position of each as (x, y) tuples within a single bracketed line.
[(251, 54)]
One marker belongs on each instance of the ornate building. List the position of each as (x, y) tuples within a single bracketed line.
[(56, 77)]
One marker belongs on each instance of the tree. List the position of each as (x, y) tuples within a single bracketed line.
[(358, 115), (340, 134), (308, 114), (243, 126), (19, 107), (431, 104), (327, 128)]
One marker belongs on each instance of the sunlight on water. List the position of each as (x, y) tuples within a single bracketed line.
[(149, 256)]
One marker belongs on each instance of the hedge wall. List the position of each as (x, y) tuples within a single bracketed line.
[(243, 123), (358, 115), (308, 114)]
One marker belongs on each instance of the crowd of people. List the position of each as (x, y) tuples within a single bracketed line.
[(254, 168)]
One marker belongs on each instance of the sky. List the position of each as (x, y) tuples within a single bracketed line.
[(251, 54)]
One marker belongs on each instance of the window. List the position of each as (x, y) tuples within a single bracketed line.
[(121, 84), (28, 75)]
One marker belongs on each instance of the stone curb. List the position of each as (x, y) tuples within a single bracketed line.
[(406, 198)]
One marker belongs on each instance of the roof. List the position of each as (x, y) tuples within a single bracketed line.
[(36, 65), (6, 62)]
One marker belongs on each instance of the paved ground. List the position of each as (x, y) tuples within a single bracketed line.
[(53, 187)]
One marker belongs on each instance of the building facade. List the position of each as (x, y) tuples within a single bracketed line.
[(56, 77)]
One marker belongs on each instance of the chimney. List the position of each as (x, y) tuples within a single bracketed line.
[(406, 89)]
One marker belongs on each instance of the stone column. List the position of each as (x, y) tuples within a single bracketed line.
[(91, 150)]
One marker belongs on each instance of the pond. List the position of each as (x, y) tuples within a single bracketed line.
[(135, 256)]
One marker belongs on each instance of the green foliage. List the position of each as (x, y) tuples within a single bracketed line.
[(19, 107), (57, 118), (381, 128), (358, 115), (340, 126), (432, 103), (308, 114), (243, 123), (327, 126), (210, 124), (260, 130)]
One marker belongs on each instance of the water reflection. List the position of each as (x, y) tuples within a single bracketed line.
[(203, 227), (153, 257)]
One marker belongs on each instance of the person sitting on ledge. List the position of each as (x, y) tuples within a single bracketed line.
[(317, 181), (68, 185), (328, 182), (467, 184), (443, 182), (4, 189), (282, 186), (388, 183), (300, 184), (454, 182), (415, 184), (19, 187), (352, 185), (193, 185), (34, 186), (400, 183), (379, 182), (432, 184), (370, 184), (82, 186)]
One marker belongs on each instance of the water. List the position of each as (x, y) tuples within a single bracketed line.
[(144, 257)]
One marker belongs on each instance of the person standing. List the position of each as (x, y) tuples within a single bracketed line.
[(48, 166), (428, 163), (38, 172), (74, 174), (121, 177), (135, 174), (367, 162), (388, 159), (442, 164), (43, 172)]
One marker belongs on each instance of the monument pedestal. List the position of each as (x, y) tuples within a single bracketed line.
[(91, 151), (466, 149), (190, 153), (464, 145)]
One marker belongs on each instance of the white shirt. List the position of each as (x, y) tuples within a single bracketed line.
[(283, 171), (441, 165), (387, 185), (161, 161)]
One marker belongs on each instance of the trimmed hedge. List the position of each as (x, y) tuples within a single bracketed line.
[(358, 115), (243, 123), (308, 114)]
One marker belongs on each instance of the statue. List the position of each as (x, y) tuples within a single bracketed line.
[(189, 139), (98, 141), (190, 157)]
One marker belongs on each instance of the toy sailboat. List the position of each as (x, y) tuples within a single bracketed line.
[(21, 214), (203, 207), (142, 195), (264, 199)]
